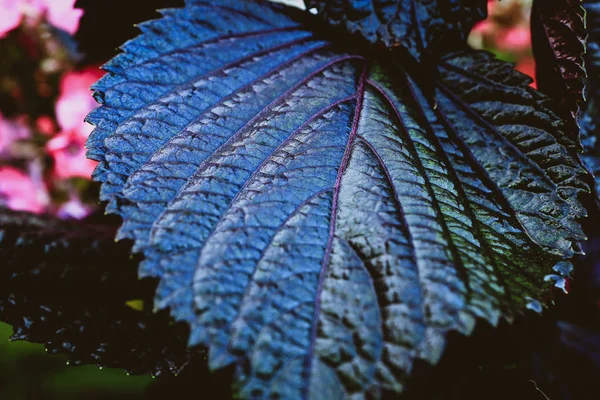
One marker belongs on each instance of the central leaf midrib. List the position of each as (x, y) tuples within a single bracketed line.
[(249, 180), (329, 246)]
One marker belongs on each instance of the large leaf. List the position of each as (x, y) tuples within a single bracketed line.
[(313, 217), (558, 30), (421, 27), (590, 128)]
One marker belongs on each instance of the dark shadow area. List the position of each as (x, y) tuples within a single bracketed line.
[(107, 24)]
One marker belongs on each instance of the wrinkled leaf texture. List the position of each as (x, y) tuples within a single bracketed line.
[(65, 284), (421, 27), (590, 127), (558, 33), (314, 218)]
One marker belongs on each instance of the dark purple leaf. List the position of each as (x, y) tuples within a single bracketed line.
[(558, 34), (421, 27), (589, 119), (66, 284)]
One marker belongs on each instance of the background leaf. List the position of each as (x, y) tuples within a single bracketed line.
[(590, 128), (69, 286), (96, 48), (558, 32), (420, 27), (314, 218)]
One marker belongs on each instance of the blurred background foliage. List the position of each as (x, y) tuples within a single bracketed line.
[(27, 372), (50, 52)]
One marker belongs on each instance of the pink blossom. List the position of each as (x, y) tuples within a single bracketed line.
[(74, 103), (59, 13), (45, 125), (527, 66), (68, 151), (10, 16), (484, 27), (73, 208), (515, 39), (491, 6), (75, 100), (20, 192), (480, 32), (11, 131)]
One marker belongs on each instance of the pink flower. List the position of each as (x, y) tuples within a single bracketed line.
[(516, 39), (484, 27), (10, 16), (527, 66), (68, 151), (75, 100), (20, 192), (11, 131), (480, 32), (73, 208), (59, 13), (74, 103), (491, 6), (45, 125)]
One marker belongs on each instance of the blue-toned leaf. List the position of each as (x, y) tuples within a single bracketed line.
[(318, 222), (421, 27)]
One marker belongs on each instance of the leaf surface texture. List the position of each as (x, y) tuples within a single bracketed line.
[(315, 218)]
